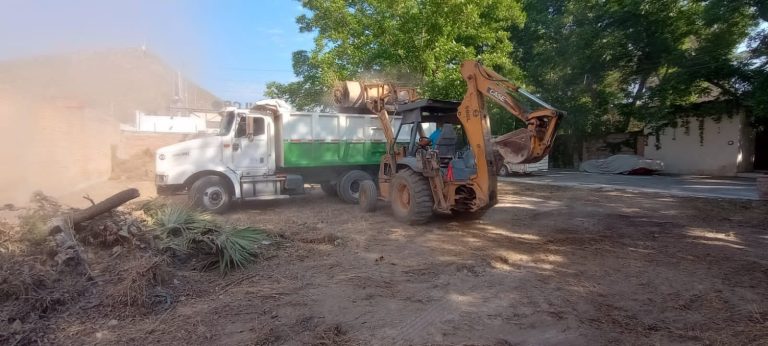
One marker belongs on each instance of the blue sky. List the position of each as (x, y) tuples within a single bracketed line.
[(231, 48)]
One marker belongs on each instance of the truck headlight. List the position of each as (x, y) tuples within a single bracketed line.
[(161, 157)]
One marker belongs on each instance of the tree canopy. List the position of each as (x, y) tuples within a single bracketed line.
[(419, 42), (606, 61), (603, 61)]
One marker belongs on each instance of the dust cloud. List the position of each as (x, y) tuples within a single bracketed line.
[(67, 84), (53, 148)]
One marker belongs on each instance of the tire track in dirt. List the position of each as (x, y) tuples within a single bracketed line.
[(436, 313)]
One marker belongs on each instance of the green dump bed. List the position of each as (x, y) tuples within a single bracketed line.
[(327, 139)]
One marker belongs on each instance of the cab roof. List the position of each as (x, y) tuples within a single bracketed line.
[(429, 110)]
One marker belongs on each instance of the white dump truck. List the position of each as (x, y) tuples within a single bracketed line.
[(270, 152)]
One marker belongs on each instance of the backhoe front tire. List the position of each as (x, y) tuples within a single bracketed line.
[(211, 194), (369, 196), (411, 197)]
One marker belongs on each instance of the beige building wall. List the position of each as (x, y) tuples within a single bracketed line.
[(718, 154)]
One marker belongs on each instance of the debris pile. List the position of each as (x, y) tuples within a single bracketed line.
[(111, 257)]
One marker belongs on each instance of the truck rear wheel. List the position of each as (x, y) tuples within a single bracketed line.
[(369, 196), (329, 188), (411, 197), (348, 187), (211, 194), (504, 171)]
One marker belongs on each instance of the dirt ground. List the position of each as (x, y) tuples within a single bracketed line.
[(548, 265)]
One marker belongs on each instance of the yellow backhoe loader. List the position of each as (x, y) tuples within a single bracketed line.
[(441, 157)]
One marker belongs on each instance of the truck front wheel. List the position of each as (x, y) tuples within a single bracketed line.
[(211, 194), (348, 187)]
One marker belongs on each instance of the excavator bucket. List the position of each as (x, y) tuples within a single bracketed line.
[(533, 143), (518, 147), (515, 146)]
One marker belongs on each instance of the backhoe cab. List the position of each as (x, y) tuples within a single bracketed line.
[(440, 159)]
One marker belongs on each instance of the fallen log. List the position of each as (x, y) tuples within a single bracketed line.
[(62, 230), (93, 211)]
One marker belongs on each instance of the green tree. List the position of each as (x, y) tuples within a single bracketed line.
[(308, 93), (421, 42), (609, 61)]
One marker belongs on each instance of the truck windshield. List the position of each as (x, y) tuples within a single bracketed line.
[(227, 120)]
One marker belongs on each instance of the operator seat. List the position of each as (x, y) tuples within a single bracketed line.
[(446, 143)]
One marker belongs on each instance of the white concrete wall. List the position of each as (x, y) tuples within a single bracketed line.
[(170, 124), (685, 154)]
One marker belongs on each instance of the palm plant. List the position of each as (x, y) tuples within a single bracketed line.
[(185, 230)]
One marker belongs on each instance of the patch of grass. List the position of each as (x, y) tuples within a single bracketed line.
[(33, 223), (10, 238)]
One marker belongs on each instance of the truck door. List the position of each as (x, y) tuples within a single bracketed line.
[(252, 151)]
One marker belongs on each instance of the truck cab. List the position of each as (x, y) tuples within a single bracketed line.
[(237, 164)]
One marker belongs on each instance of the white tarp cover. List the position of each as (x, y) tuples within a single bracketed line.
[(622, 164), (281, 106)]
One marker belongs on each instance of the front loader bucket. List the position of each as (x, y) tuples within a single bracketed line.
[(518, 147)]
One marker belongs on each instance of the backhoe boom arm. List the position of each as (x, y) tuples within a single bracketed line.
[(527, 145)]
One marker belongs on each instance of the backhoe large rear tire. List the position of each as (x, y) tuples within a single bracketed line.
[(411, 197)]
